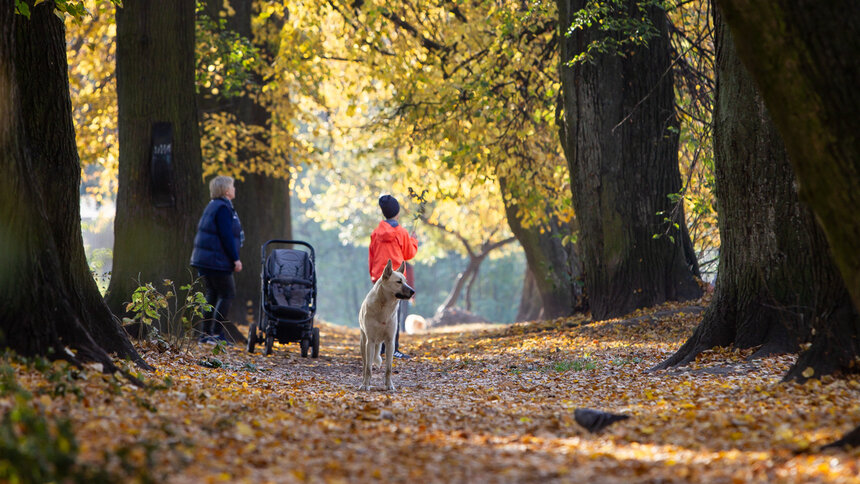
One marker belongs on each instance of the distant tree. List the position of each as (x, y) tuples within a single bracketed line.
[(476, 256), (156, 214), (776, 280), (554, 270), (470, 84), (242, 147), (620, 137), (49, 301), (531, 306), (803, 57), (91, 52)]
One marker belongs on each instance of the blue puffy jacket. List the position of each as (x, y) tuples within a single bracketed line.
[(219, 237)]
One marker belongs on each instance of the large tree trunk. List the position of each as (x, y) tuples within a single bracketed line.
[(48, 298), (620, 139), (554, 266), (776, 276), (803, 56), (155, 83), (262, 201)]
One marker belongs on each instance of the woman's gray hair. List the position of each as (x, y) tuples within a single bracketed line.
[(219, 185)]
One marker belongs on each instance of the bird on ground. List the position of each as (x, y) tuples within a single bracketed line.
[(595, 420)]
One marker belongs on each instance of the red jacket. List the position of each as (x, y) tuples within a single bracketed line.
[(387, 242)]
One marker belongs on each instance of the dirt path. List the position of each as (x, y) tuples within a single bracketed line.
[(497, 406), (489, 406)]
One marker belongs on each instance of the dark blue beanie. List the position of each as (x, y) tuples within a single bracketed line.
[(390, 207)]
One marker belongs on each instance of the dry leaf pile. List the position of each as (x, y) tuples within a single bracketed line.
[(488, 405)]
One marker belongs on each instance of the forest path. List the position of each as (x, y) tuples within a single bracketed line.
[(486, 405)]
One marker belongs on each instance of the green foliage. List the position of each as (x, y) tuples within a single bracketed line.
[(210, 362), (168, 318), (226, 61), (219, 348), (620, 24), (73, 8)]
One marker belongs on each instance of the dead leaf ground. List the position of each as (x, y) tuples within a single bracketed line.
[(484, 405)]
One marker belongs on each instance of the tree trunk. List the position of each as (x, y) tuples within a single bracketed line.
[(155, 84), (555, 266), (262, 202), (620, 137), (471, 270), (459, 284), (803, 56), (48, 298), (776, 277), (531, 305)]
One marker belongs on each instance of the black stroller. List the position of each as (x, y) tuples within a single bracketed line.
[(288, 299)]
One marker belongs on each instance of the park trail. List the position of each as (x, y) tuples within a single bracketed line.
[(473, 405)]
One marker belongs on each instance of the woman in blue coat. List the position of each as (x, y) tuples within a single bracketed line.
[(216, 254)]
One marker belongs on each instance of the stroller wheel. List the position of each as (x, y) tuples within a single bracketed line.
[(252, 337), (315, 344), (270, 342), (305, 344)]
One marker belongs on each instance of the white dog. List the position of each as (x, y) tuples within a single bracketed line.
[(377, 322)]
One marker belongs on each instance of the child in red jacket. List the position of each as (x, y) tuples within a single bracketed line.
[(390, 241)]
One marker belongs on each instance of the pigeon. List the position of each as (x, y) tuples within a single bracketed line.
[(594, 420), (851, 438)]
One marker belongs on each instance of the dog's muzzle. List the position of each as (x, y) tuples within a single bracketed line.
[(405, 293)]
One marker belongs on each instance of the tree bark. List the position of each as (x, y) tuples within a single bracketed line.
[(555, 266), (263, 201), (620, 137), (155, 83), (803, 57), (776, 278), (48, 298), (531, 305), (264, 206)]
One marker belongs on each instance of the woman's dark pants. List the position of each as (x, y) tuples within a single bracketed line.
[(220, 292)]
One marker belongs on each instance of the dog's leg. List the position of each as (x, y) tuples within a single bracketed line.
[(365, 363), (376, 357), (389, 360)]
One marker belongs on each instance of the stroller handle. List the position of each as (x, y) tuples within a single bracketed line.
[(284, 241)]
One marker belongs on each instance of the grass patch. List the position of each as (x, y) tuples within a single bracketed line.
[(579, 364)]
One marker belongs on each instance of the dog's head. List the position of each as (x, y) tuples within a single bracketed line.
[(395, 281)]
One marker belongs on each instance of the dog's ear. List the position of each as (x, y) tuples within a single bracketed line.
[(386, 273), (402, 268)]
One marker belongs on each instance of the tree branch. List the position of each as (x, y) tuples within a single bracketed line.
[(445, 229)]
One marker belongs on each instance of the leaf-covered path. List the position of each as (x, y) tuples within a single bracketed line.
[(473, 405)]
